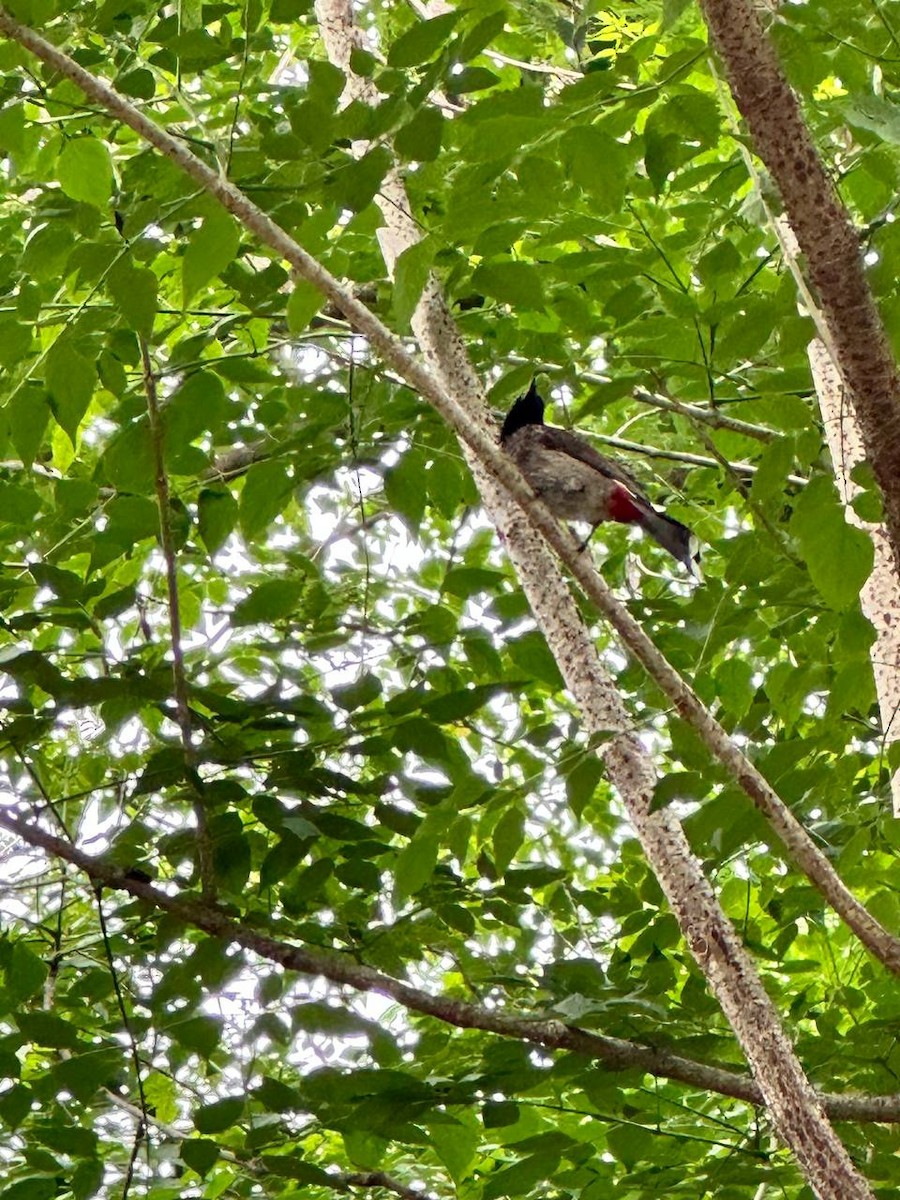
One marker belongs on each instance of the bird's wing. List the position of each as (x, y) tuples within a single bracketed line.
[(564, 442)]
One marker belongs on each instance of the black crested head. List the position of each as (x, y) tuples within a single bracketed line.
[(527, 410)]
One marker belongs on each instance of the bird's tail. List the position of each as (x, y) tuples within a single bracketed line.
[(674, 537)]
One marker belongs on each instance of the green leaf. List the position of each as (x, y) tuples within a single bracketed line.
[(84, 171), (734, 686), (773, 469), (69, 1139), (515, 283), (12, 128), (453, 706), (15, 1105), (48, 1029), (839, 556), (276, 1096), (199, 406), (582, 782), (218, 1116), (211, 249), (217, 515), (128, 461), (875, 113), (404, 488), (70, 379), (472, 79), (201, 1035), (521, 1177), (422, 41), (509, 833), (272, 601), (456, 1145), (46, 251), (672, 10), (365, 1150), (32, 1187), (411, 273), (134, 290), (25, 973), (87, 1178), (83, 1074), (199, 1154), (139, 83), (267, 489), (303, 303), (481, 35), (719, 263), (132, 518), (356, 181), (531, 654), (363, 692), (496, 1114), (29, 413), (291, 1166), (420, 139), (598, 163), (470, 581), (416, 861), (15, 341)]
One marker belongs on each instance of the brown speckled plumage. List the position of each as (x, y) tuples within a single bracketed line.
[(578, 484)]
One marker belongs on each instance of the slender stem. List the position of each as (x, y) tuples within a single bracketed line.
[(179, 676)]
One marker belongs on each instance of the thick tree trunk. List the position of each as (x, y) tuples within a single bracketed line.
[(880, 595), (825, 235)]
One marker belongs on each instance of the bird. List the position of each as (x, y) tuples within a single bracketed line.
[(578, 484)]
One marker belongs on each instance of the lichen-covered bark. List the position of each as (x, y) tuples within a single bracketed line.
[(880, 595), (825, 235), (452, 387), (469, 421), (711, 937)]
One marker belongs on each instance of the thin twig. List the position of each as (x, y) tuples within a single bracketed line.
[(683, 456), (179, 677), (709, 416), (140, 1132)]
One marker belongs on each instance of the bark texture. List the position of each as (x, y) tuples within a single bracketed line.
[(713, 941), (880, 595), (452, 387), (470, 421), (825, 235)]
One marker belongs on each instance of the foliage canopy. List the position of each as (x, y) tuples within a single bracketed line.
[(387, 762)]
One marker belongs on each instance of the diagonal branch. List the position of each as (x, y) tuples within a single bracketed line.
[(710, 936), (709, 416), (616, 1054), (478, 434), (738, 469)]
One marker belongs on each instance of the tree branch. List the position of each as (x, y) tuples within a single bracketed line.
[(710, 936), (683, 456), (709, 416), (616, 1054), (474, 429)]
